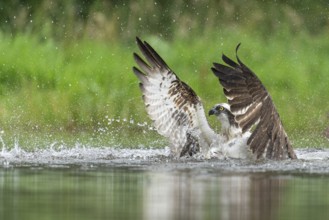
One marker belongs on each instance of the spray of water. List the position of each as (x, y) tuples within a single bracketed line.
[(112, 139), (107, 145)]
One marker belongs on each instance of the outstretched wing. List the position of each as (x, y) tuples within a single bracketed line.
[(252, 105), (175, 109)]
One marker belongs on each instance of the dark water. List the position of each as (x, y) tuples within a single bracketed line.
[(111, 191), (109, 183)]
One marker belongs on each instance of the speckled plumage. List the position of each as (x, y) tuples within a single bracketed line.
[(252, 106), (178, 114)]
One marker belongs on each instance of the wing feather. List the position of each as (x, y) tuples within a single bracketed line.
[(253, 107), (175, 109)]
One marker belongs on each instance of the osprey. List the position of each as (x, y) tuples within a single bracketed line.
[(251, 126)]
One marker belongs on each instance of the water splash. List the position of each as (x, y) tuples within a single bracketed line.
[(128, 132), (130, 122), (78, 155), (107, 146), (57, 154)]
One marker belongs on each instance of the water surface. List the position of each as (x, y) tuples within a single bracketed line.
[(108, 183)]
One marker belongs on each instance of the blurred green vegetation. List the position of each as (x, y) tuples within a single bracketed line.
[(66, 65)]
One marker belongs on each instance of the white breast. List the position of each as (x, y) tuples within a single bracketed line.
[(233, 148)]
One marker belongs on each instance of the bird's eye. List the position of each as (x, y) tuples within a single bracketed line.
[(221, 108)]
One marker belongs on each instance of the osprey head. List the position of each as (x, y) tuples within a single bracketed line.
[(223, 113)]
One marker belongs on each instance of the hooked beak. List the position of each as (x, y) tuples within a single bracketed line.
[(212, 112)]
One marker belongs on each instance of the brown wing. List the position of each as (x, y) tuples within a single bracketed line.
[(175, 109), (252, 106)]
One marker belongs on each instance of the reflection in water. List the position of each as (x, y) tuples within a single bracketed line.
[(131, 193), (184, 196)]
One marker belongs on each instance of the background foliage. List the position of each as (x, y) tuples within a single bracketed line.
[(66, 65)]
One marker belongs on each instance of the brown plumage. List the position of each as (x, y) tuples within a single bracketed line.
[(175, 109), (252, 121), (252, 106)]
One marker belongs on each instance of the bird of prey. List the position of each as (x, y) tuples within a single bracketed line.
[(250, 124)]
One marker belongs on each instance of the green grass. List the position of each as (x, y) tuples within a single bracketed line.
[(46, 86)]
